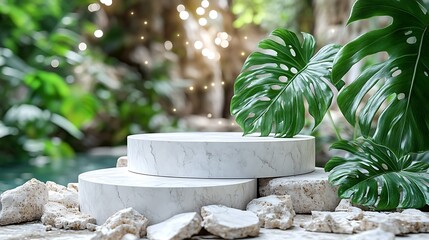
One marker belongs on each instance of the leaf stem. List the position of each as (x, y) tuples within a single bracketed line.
[(337, 132), (355, 130)]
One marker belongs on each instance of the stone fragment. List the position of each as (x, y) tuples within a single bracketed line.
[(62, 210), (375, 234), (91, 227), (179, 227), (356, 220), (48, 228), (24, 203), (122, 161), (121, 223), (61, 194), (69, 218), (344, 205), (408, 221), (309, 192), (273, 211), (73, 187), (335, 222), (229, 223), (130, 236)]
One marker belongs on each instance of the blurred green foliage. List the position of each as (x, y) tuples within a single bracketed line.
[(295, 15), (48, 106)]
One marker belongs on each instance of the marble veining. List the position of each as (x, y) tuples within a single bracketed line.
[(220, 155), (104, 192)]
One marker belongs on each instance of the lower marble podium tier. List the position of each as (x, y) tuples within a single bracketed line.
[(220, 155), (104, 192)]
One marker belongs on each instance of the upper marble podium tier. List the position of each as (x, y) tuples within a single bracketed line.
[(220, 155)]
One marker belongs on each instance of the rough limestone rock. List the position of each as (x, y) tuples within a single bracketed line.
[(179, 227), (62, 210), (273, 211), (335, 222), (375, 234), (355, 220), (408, 221), (309, 192), (73, 187), (61, 194), (122, 161), (24, 203), (125, 221), (344, 205), (69, 218), (229, 223), (130, 236)]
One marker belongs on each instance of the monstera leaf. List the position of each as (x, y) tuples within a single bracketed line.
[(402, 80), (269, 92), (374, 176)]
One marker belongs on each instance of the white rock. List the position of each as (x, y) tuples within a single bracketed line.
[(60, 216), (335, 222), (344, 205), (179, 227), (356, 220), (414, 220), (273, 211), (408, 221), (375, 234), (62, 195), (91, 227), (24, 203), (121, 223), (309, 192), (73, 187), (122, 161), (229, 223), (130, 236), (62, 210)]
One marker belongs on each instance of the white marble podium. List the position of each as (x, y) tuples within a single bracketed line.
[(171, 173), (220, 155), (104, 192)]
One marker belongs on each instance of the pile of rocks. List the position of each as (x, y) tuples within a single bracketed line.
[(349, 219), (222, 221), (55, 205)]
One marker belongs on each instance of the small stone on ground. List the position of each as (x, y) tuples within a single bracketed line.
[(309, 192), (179, 227), (375, 234), (59, 216), (229, 223), (24, 203), (62, 210), (125, 221), (355, 220), (274, 211), (122, 161)]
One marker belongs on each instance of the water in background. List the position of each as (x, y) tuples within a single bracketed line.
[(59, 171)]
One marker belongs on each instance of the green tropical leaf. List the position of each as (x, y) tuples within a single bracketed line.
[(403, 78), (372, 175), (270, 90)]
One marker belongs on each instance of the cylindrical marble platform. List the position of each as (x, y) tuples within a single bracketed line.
[(220, 155), (104, 192)]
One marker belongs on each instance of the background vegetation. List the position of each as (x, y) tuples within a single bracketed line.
[(75, 75)]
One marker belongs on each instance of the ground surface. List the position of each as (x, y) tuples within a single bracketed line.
[(36, 230)]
